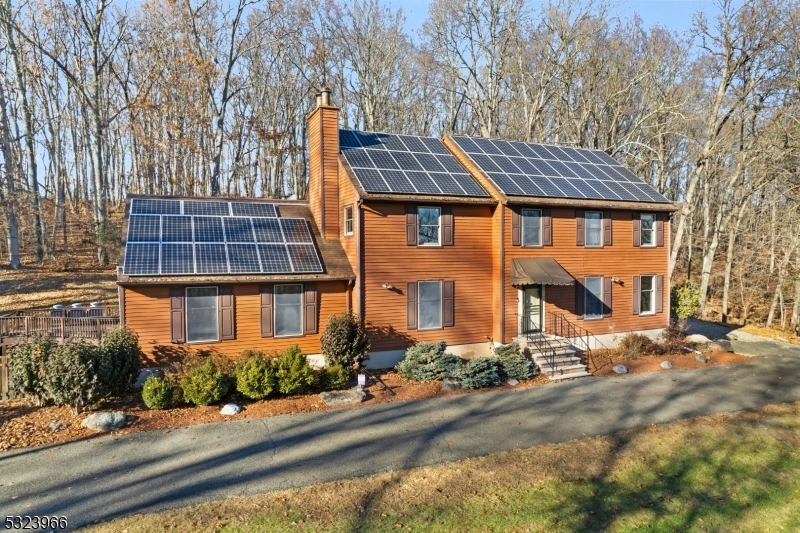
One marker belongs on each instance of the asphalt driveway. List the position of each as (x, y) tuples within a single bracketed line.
[(144, 472)]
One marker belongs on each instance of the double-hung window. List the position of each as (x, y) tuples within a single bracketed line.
[(348, 220), (430, 304), (288, 310), (594, 228), (647, 295), (593, 297), (531, 227), (429, 226), (648, 229), (202, 316)]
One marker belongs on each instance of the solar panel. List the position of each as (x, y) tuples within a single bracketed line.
[(348, 139), (141, 259), (304, 258), (243, 237), (406, 164), (144, 228), (176, 228), (253, 209), (153, 206), (565, 172), (295, 230)]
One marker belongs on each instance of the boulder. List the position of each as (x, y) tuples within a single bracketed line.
[(144, 374), (230, 409), (620, 369), (57, 425), (104, 421), (697, 338), (702, 358), (666, 365), (721, 345), (343, 397), (450, 384), (513, 382)]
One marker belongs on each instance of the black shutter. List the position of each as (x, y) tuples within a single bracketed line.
[(227, 327), (606, 229), (411, 305), (659, 230), (580, 232), (266, 311), (516, 230), (447, 226), (310, 305), (177, 314), (637, 295), (411, 225), (448, 307), (547, 228), (659, 294), (579, 296), (607, 296), (637, 229)]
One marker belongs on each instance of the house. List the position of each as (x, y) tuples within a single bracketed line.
[(467, 240)]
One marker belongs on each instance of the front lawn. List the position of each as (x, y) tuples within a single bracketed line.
[(728, 472)]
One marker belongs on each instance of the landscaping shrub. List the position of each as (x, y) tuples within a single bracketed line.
[(333, 377), (633, 345), (513, 364), (119, 361), (294, 372), (27, 365), (479, 372), (344, 341), (71, 376), (671, 341), (685, 300), (428, 362), (158, 393), (257, 377), (204, 385)]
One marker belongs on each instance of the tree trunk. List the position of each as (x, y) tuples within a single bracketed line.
[(7, 193)]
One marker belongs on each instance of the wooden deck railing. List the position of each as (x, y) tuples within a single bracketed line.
[(86, 322)]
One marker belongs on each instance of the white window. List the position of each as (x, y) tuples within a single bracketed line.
[(648, 223), (647, 298), (348, 220), (594, 228), (428, 225), (288, 310), (201, 314), (531, 227), (430, 304), (593, 297)]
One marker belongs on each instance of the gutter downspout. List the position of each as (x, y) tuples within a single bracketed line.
[(359, 285), (502, 207)]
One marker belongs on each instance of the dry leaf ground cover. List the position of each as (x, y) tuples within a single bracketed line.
[(728, 472)]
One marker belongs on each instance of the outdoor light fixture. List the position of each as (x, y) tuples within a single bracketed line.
[(387, 286), (616, 280)]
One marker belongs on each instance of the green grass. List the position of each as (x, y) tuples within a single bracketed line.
[(737, 472)]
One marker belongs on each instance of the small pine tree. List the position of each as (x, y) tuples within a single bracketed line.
[(293, 371), (344, 341)]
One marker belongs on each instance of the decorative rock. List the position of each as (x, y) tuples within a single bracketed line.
[(355, 395), (513, 382), (144, 374), (620, 369), (702, 358), (699, 339), (104, 421), (721, 345), (666, 364), (450, 384), (57, 425), (230, 409)]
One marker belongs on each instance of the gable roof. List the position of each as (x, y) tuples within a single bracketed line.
[(194, 240)]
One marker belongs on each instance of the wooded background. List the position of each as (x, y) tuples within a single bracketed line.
[(209, 98)]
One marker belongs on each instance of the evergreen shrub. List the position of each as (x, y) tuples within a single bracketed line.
[(344, 341), (513, 364), (334, 377), (205, 384), (158, 392), (480, 372), (257, 378), (428, 362), (293, 371)]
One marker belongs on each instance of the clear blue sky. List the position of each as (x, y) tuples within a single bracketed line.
[(675, 15)]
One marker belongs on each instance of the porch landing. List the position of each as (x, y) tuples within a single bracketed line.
[(555, 356)]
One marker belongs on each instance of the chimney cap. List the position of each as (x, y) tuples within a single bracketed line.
[(325, 96)]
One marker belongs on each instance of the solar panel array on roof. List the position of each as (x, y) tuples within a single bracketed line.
[(523, 169), (184, 237), (405, 164)]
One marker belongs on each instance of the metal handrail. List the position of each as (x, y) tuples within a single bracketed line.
[(540, 341)]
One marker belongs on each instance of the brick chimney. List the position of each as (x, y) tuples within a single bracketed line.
[(323, 164)]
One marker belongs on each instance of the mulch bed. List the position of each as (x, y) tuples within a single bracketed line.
[(600, 363)]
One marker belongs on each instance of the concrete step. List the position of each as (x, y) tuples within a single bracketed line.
[(562, 369), (560, 377), (558, 360), (558, 353)]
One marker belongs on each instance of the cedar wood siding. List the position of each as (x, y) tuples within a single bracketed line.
[(347, 196), (147, 311), (323, 169), (388, 259), (621, 260)]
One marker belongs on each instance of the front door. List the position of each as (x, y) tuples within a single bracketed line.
[(532, 309)]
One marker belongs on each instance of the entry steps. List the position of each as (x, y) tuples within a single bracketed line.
[(568, 362)]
